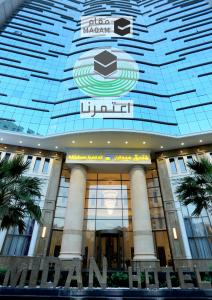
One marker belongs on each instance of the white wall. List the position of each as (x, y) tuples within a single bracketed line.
[(7, 7)]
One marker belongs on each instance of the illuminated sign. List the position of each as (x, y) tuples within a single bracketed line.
[(121, 158)]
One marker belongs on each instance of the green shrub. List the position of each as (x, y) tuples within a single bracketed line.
[(206, 276), (2, 274), (118, 279)]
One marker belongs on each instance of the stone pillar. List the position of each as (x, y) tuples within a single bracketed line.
[(142, 228), (42, 244), (72, 234), (180, 246)]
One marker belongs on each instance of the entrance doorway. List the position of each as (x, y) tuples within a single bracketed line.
[(107, 220), (109, 243)]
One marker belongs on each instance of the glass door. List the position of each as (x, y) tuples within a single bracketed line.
[(109, 244), (107, 219)]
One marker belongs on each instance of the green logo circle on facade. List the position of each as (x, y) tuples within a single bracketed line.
[(107, 72)]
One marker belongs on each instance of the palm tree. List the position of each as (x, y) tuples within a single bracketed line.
[(17, 194), (197, 188)]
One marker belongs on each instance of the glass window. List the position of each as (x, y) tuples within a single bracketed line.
[(107, 215), (62, 200), (189, 159), (37, 164), (16, 244), (109, 203), (29, 160), (162, 247), (56, 241), (60, 212), (208, 227), (46, 165), (173, 166), (182, 164), (106, 225), (7, 156), (198, 227), (58, 223), (199, 237), (90, 203), (89, 224), (89, 213), (127, 225)]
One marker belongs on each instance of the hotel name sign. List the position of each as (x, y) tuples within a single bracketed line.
[(41, 268), (117, 157)]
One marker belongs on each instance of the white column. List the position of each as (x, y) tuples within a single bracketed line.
[(72, 234), (3, 234), (33, 240), (142, 228)]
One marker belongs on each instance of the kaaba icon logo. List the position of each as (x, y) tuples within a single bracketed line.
[(105, 63), (105, 72), (122, 27)]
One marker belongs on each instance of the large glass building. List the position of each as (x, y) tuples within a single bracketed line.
[(108, 182)]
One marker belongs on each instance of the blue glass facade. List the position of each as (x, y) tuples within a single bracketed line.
[(171, 44)]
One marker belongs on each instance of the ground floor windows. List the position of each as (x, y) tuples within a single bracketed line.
[(199, 232), (162, 248), (16, 244), (199, 236), (56, 240)]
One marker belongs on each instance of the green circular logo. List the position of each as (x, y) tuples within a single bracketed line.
[(106, 72)]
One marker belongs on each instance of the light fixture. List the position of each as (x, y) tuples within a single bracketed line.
[(161, 147), (144, 142), (108, 142), (174, 230), (43, 235), (126, 142), (91, 142), (38, 144), (200, 141), (20, 142), (5, 147), (182, 144), (40, 152), (73, 142), (56, 147), (1, 139)]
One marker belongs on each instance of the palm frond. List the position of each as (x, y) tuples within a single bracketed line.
[(197, 188), (17, 194), (14, 218), (201, 167)]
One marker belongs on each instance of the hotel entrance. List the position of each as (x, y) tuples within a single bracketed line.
[(108, 220), (109, 243)]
